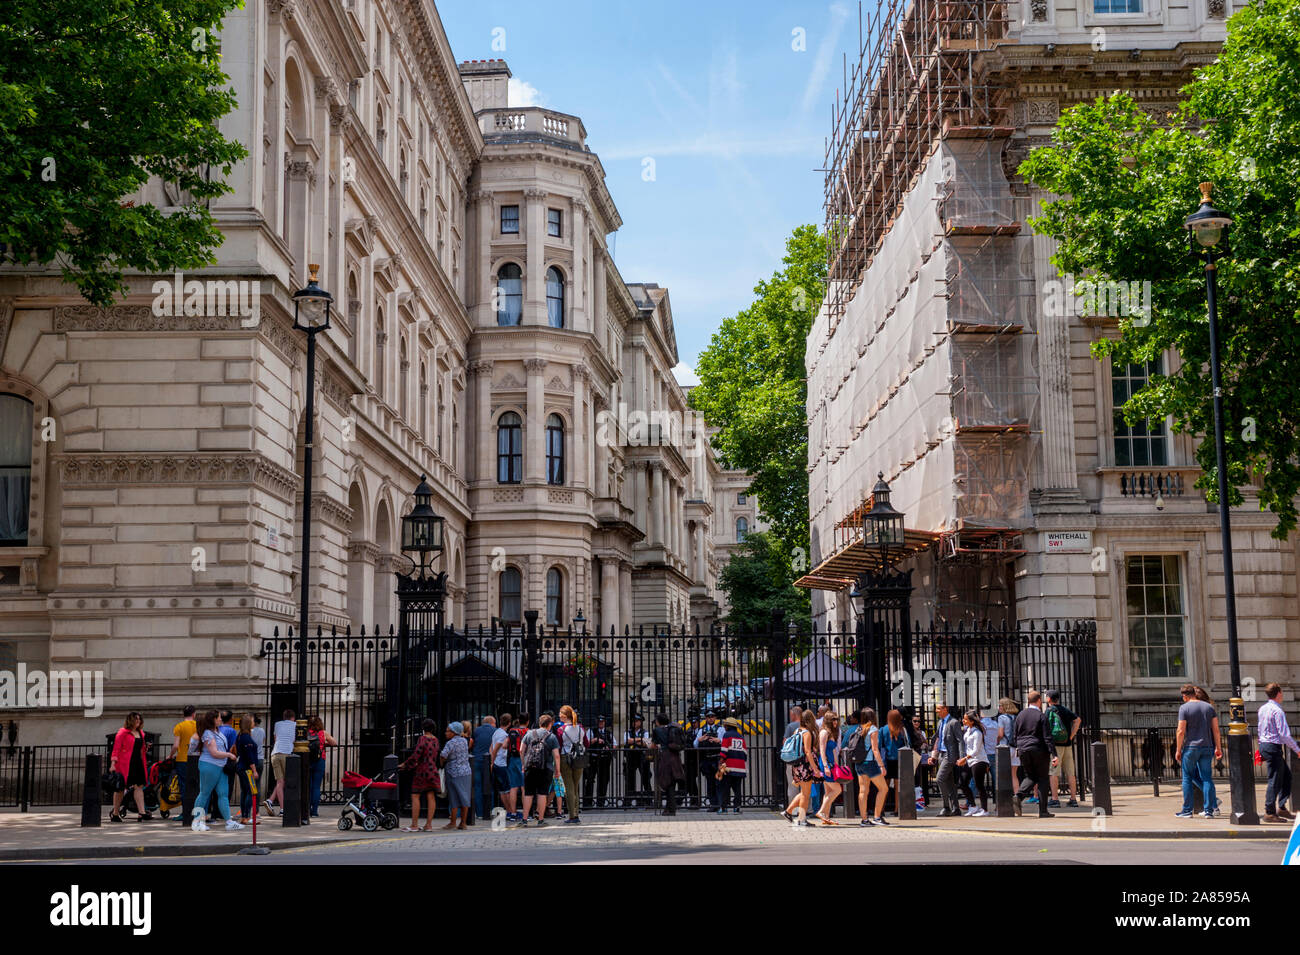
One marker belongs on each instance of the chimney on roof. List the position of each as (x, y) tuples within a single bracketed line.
[(487, 82)]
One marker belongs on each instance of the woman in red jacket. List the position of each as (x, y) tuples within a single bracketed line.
[(130, 758)]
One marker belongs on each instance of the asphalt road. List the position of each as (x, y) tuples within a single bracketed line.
[(902, 848)]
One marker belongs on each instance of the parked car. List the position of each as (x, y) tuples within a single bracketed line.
[(761, 687)]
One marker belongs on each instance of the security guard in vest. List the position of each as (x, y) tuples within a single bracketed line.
[(708, 744), (600, 747), (636, 741)]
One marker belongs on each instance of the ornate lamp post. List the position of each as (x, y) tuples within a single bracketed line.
[(422, 592), (311, 314), (1206, 227), (886, 594)]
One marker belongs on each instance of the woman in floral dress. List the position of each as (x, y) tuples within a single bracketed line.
[(806, 771), (425, 763)]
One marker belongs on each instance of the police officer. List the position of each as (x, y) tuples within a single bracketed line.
[(708, 744), (599, 746), (636, 741)]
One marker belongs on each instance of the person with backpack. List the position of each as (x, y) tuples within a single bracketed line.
[(668, 742), (1037, 753), (799, 752), (733, 764), (828, 742), (573, 760), (863, 756), (1064, 726), (541, 764), (246, 765), (317, 740), (892, 739)]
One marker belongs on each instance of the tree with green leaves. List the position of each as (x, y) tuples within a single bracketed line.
[(95, 98), (759, 579), (753, 387), (1126, 183)]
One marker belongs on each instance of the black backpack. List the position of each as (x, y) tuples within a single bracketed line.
[(859, 748)]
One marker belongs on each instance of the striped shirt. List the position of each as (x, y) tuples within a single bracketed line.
[(733, 756), (1273, 726)]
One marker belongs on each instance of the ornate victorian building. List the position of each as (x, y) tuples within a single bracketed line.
[(153, 450)]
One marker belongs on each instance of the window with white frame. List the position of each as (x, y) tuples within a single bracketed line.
[(15, 469), (1157, 618), (1145, 443), (1116, 6)]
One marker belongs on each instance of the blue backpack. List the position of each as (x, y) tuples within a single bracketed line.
[(792, 748)]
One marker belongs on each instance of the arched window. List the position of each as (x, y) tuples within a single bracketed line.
[(511, 604), (554, 450), (510, 449), (554, 599), (15, 469), (510, 294), (742, 528), (554, 298)]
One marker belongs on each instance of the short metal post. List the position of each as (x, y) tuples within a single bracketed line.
[(92, 794), (1154, 759), (1101, 779), (291, 818), (1005, 794), (906, 796)]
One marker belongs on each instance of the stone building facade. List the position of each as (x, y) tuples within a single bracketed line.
[(1028, 497), (481, 336)]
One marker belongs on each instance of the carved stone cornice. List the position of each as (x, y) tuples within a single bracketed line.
[(535, 194), (139, 318), (326, 88), (300, 169), (364, 551), (100, 468), (284, 9), (329, 511), (535, 366), (340, 116), (337, 391), (581, 372), (482, 368)]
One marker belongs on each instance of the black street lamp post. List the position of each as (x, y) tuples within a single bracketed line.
[(886, 595), (311, 314), (420, 591), (1205, 228)]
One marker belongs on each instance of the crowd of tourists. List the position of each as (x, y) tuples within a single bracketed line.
[(529, 769), (824, 752)]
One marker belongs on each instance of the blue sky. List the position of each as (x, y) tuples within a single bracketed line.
[(715, 93)]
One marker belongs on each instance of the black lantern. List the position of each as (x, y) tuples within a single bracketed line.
[(1207, 225), (422, 528), (311, 305), (580, 622), (882, 526)]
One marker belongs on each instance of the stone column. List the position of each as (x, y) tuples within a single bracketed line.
[(701, 569), (656, 529), (535, 228), (483, 314), (577, 241), (625, 595), (609, 596), (1059, 469), (485, 447), (577, 450), (535, 426), (598, 287)]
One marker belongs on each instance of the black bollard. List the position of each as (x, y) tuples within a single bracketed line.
[(1101, 780), (906, 798), (291, 818), (1154, 759), (1241, 767), (1198, 799), (92, 795), (1006, 795)]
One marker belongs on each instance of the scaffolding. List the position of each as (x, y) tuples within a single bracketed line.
[(915, 82), (922, 361)]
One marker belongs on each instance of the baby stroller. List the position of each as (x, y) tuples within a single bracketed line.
[(164, 789), (368, 801)]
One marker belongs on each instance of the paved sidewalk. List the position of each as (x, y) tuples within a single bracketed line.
[(57, 835)]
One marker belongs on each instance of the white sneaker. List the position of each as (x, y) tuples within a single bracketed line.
[(198, 825), (232, 825), (980, 812), (969, 812)]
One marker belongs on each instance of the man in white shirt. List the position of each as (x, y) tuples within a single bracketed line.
[(499, 755), (282, 734)]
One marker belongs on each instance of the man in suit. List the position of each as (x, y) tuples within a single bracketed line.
[(1037, 754), (948, 748)]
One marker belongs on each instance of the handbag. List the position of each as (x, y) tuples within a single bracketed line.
[(113, 782), (840, 774), (577, 757)]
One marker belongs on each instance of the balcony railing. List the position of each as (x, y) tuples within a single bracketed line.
[(533, 121)]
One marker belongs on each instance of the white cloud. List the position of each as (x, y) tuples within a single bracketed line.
[(685, 375), (522, 93)]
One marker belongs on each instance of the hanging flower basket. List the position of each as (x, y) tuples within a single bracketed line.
[(580, 666)]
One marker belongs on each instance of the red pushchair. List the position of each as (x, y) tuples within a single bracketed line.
[(367, 801), (164, 790)]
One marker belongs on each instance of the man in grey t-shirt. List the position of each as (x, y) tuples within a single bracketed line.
[(1198, 747)]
